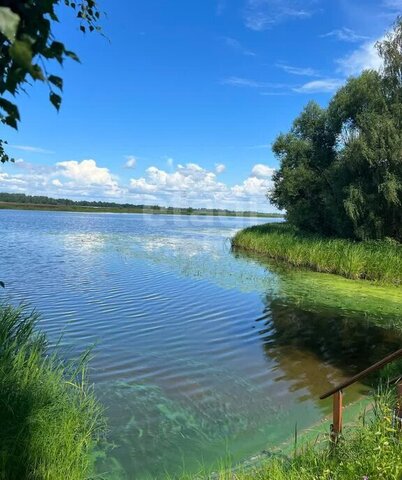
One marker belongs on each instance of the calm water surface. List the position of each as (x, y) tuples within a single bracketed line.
[(198, 355)]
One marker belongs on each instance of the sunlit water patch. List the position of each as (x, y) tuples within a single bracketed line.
[(199, 354)]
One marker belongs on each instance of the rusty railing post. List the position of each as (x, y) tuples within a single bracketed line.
[(336, 427)]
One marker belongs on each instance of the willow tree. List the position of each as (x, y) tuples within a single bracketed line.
[(28, 47), (342, 173)]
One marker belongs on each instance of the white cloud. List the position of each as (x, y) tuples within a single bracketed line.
[(306, 72), (193, 185), (251, 187), (140, 185), (170, 162), (326, 85), (131, 161), (363, 58), (13, 182), (262, 14), (220, 167), (86, 172), (262, 171), (187, 185), (247, 82), (236, 45), (28, 148), (344, 34)]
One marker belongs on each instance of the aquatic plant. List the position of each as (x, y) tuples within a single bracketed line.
[(372, 260), (370, 448)]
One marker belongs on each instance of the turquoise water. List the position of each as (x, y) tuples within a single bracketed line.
[(198, 356)]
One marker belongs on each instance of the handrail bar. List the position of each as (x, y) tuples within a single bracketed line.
[(373, 368)]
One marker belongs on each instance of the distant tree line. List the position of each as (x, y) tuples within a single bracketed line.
[(42, 200), (39, 200), (341, 167)]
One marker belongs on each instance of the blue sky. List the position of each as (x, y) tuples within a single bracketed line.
[(181, 102)]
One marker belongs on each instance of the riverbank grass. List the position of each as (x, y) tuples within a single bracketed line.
[(370, 448), (50, 420), (375, 260)]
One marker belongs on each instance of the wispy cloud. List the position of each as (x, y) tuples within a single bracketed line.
[(242, 82), (220, 6), (363, 58), (220, 168), (326, 85), (304, 72), (393, 4), (238, 47), (28, 148), (275, 94), (262, 14), (249, 83), (131, 161), (345, 35), (262, 146)]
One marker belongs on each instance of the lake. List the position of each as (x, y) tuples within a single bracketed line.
[(198, 355)]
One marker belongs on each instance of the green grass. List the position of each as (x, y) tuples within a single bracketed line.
[(378, 261), (49, 419), (370, 448)]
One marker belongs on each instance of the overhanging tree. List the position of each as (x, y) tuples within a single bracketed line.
[(28, 47), (341, 167)]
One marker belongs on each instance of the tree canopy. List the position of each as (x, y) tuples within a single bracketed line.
[(341, 167), (28, 46)]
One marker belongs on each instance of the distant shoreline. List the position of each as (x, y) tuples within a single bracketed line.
[(148, 211)]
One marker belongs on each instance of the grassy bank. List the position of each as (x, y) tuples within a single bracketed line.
[(50, 420), (123, 209), (369, 449), (378, 261)]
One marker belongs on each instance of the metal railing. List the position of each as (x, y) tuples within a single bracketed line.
[(337, 392)]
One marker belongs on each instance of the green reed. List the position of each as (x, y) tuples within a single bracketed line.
[(50, 420), (375, 260)]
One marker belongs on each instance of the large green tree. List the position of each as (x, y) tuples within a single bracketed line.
[(28, 47), (341, 167)]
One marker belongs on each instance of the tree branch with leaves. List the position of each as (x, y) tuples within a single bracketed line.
[(28, 47)]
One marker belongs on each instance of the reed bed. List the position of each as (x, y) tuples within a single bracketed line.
[(50, 420), (372, 260)]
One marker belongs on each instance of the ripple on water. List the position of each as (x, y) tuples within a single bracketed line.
[(197, 351)]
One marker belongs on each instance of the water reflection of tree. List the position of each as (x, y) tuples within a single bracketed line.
[(314, 350)]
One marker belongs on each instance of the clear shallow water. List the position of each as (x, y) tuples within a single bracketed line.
[(198, 353)]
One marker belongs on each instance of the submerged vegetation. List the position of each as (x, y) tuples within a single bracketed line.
[(50, 420), (372, 260), (369, 449)]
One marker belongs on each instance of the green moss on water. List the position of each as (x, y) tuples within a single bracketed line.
[(329, 274), (369, 448), (319, 290)]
